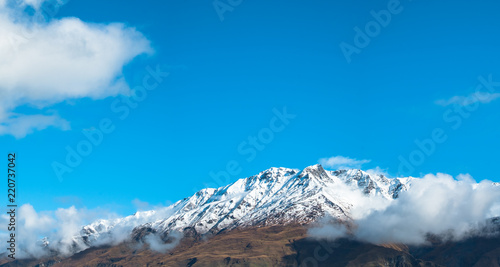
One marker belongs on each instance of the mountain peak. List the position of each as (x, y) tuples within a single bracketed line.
[(314, 171), (278, 170), (276, 196), (274, 173)]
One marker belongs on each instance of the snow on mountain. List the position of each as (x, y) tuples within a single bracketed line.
[(373, 184), (272, 197)]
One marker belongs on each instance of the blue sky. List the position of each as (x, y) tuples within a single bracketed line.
[(228, 79)]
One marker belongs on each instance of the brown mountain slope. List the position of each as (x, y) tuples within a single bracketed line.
[(477, 252), (264, 246)]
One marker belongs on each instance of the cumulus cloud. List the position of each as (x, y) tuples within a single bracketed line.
[(436, 204), (58, 227), (328, 229), (341, 162), (473, 98), (48, 62), (44, 233), (157, 244)]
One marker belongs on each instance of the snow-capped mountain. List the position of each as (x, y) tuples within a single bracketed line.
[(275, 196), (375, 209)]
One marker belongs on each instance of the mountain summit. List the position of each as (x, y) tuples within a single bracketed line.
[(276, 196)]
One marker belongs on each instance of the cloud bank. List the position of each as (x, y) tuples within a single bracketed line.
[(43, 233), (48, 62), (439, 205), (58, 226)]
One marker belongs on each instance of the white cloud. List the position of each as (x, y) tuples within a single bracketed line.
[(63, 59), (328, 229), (59, 226), (340, 162), (435, 204), (157, 244), (21, 125), (33, 3), (476, 97)]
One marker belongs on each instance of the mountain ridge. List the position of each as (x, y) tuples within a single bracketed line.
[(276, 196)]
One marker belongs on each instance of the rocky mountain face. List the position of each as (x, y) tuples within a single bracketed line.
[(277, 196)]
